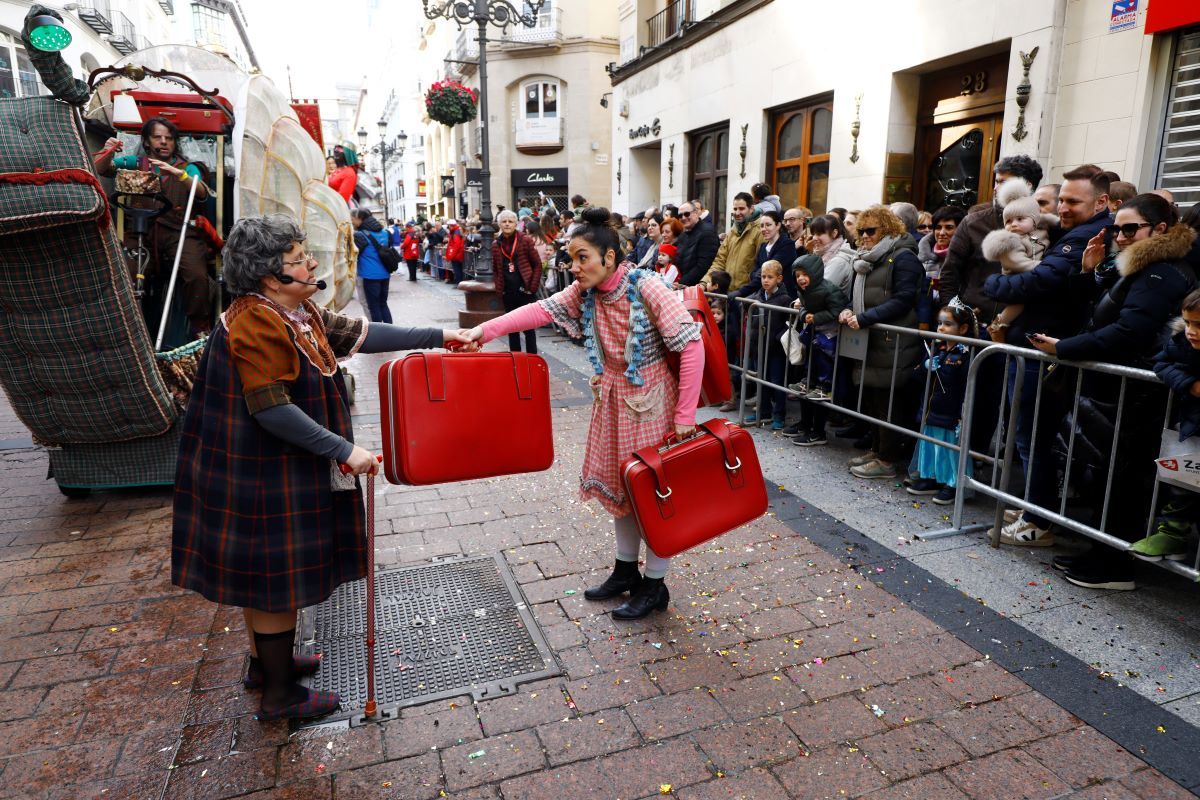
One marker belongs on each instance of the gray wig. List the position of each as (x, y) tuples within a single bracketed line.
[(254, 250)]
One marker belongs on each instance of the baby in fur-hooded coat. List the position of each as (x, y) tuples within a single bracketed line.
[(1019, 245)]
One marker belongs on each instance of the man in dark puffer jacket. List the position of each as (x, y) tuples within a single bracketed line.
[(963, 274)]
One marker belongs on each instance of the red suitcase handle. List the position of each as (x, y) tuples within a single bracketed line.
[(652, 458), (435, 376)]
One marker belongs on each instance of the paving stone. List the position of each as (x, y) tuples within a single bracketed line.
[(1152, 783), (1083, 756), (979, 682), (535, 704), (987, 728), (833, 677), (762, 741), (755, 784), (593, 735), (763, 694), (1010, 774), (500, 757), (640, 772), (1105, 791), (133, 787), (911, 750), (927, 787), (325, 751), (571, 781), (774, 622), (688, 672), (831, 774), (1043, 712), (673, 714), (204, 741), (612, 690), (313, 789), (839, 719), (420, 733), (18, 703), (911, 700), (42, 770), (147, 753)]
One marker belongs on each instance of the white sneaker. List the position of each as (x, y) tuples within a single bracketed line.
[(1025, 534)]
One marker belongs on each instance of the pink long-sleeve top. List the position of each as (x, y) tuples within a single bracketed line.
[(691, 358)]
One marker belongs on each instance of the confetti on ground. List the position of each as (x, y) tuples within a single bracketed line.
[(877, 711), (666, 788), (569, 592), (477, 754)]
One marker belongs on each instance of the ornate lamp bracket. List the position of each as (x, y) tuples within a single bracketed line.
[(856, 128), (742, 149), (1023, 90)]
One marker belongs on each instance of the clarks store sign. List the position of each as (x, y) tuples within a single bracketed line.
[(540, 177), (653, 129)]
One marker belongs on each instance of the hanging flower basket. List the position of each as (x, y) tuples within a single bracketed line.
[(451, 103)]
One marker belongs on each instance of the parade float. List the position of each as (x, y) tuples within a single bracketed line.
[(101, 389)]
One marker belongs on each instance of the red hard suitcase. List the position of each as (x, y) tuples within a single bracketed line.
[(461, 416), (684, 494), (190, 112), (716, 387)]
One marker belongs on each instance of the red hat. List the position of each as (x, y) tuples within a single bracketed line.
[(669, 249)]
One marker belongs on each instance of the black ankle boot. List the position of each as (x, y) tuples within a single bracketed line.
[(651, 595), (624, 578)]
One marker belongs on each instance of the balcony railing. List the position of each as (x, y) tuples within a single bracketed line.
[(670, 21), (124, 35), (168, 6), (142, 43), (547, 31), (96, 15), (466, 48)]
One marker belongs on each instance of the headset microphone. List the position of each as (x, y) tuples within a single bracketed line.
[(283, 278)]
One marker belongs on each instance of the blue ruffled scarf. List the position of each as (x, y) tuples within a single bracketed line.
[(639, 326)]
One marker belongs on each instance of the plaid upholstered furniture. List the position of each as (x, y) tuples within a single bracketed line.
[(75, 358)]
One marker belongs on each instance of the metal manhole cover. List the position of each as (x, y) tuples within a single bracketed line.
[(442, 629)]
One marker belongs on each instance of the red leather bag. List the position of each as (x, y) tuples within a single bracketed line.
[(684, 494), (715, 386), (461, 416)]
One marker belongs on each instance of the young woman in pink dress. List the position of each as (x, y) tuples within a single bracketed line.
[(629, 319)]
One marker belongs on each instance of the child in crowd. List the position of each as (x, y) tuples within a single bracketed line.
[(1019, 245), (718, 281), (718, 311), (1178, 365), (820, 301), (666, 263), (771, 325), (936, 466)]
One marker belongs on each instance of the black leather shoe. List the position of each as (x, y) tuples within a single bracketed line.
[(652, 595), (624, 578)]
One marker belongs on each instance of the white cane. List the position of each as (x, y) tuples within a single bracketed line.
[(166, 312)]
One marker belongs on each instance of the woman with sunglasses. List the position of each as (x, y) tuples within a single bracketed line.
[(1135, 303), (264, 520)]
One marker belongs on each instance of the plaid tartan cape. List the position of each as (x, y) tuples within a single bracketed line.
[(257, 524)]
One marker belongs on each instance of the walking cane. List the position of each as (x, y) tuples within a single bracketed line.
[(166, 312), (369, 709)]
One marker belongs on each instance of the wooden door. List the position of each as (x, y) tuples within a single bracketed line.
[(958, 160)]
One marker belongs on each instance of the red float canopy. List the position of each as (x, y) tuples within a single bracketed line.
[(1165, 15)]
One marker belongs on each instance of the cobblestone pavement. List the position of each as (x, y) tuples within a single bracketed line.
[(779, 671)]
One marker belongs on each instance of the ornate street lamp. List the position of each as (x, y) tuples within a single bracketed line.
[(482, 301), (384, 151)]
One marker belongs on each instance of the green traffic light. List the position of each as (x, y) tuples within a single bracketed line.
[(49, 35)]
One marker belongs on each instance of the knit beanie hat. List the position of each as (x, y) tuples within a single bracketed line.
[(1018, 201), (670, 250)]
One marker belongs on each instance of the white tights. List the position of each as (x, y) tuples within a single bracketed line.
[(629, 543)]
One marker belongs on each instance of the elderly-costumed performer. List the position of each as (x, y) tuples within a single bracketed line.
[(264, 518)]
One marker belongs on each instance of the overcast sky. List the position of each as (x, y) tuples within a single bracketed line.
[(323, 42)]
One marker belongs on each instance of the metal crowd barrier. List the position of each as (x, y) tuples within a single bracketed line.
[(852, 345)]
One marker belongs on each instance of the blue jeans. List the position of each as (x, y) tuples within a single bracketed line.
[(377, 295)]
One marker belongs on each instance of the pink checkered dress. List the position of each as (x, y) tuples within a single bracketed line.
[(625, 417)]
